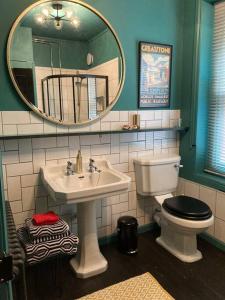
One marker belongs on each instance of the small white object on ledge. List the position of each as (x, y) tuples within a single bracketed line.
[(179, 122)]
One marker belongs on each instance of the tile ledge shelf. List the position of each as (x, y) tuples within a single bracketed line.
[(178, 129)]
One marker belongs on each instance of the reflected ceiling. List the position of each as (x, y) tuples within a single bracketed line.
[(90, 26)]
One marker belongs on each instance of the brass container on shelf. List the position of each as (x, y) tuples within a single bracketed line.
[(136, 120)]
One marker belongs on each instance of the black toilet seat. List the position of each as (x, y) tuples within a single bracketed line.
[(187, 208)]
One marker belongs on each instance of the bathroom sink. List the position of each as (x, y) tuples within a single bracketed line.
[(85, 186), (84, 189)]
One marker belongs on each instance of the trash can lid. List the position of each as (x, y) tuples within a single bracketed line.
[(127, 221)]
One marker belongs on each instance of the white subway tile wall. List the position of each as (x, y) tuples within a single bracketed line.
[(22, 159), (212, 197), (27, 123)]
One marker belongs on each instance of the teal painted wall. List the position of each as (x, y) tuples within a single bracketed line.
[(206, 37), (196, 77), (146, 20), (73, 54), (103, 53), (22, 54), (187, 64), (187, 151)]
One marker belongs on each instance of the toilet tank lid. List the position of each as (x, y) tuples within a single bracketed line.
[(157, 159)]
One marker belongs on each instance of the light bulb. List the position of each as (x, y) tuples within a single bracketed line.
[(69, 14), (45, 12), (40, 19), (58, 24), (75, 22)]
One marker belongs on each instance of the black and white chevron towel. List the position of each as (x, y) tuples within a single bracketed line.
[(35, 253), (60, 227), (47, 238)]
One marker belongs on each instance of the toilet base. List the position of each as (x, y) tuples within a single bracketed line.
[(179, 241), (189, 258)]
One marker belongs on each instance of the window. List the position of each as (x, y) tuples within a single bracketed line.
[(216, 123)]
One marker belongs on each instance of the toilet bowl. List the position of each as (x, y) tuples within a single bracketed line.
[(178, 233), (181, 218)]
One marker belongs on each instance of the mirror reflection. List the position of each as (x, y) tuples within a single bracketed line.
[(66, 61)]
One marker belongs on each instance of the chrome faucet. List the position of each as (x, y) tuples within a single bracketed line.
[(92, 167), (69, 168)]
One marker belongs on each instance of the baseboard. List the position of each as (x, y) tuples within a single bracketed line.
[(147, 227), (113, 237), (218, 244), (153, 226)]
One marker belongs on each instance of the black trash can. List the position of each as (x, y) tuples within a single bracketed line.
[(127, 234)]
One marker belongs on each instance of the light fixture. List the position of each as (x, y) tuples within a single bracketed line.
[(40, 19), (58, 15), (75, 22), (45, 12), (58, 23), (69, 14)]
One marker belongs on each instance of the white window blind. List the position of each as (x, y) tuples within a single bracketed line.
[(216, 122)]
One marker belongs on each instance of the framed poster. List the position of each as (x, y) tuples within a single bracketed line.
[(154, 75)]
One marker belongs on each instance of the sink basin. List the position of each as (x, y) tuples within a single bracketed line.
[(84, 189), (85, 186)]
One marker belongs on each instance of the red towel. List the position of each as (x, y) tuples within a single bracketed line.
[(48, 218)]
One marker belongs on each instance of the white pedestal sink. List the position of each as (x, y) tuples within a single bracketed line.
[(84, 189)]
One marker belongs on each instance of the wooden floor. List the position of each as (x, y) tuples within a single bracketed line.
[(201, 280)]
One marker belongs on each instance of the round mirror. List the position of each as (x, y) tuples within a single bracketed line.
[(65, 61)]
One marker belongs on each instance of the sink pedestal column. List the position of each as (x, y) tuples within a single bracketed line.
[(89, 260)]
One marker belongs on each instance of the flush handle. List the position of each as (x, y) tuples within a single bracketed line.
[(178, 166)]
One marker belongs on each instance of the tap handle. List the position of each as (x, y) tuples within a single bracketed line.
[(91, 160), (69, 163)]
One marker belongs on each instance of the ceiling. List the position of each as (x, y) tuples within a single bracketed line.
[(90, 24)]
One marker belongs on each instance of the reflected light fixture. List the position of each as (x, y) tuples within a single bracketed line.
[(58, 16)]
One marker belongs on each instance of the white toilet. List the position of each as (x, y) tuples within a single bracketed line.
[(181, 218)]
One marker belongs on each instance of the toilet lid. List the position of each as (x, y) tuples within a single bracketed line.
[(187, 208)]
